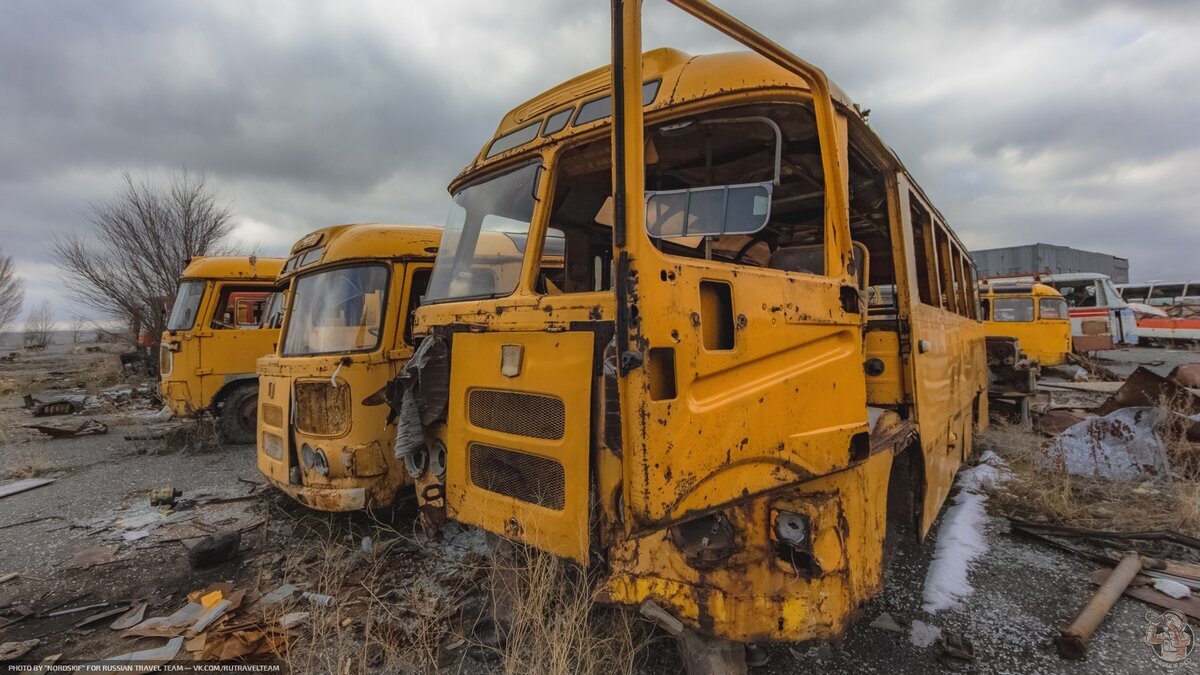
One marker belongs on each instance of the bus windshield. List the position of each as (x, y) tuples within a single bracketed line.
[(336, 310), (472, 263), (187, 301)]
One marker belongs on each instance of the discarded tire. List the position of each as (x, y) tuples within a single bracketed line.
[(215, 549)]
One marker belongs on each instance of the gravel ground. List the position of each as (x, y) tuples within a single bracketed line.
[(1023, 591)]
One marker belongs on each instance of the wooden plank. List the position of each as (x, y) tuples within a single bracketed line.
[(23, 485)]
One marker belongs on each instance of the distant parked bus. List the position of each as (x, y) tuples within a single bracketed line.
[(1179, 300), (1035, 314), (1100, 319)]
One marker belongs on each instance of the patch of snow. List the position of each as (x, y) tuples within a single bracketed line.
[(961, 540), (1172, 588), (1122, 445), (922, 635)]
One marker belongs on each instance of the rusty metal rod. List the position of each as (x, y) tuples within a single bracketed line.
[(1073, 640)]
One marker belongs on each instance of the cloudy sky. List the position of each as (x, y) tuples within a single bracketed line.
[(1067, 122)]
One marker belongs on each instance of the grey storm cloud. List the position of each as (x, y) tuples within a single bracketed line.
[(1065, 122)]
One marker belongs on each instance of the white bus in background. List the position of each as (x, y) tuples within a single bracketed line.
[(1178, 300), (1100, 318)]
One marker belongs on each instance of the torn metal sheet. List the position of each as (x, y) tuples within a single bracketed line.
[(1145, 388), (23, 485), (130, 618), (85, 428), (1125, 444), (1187, 375), (144, 659), (11, 651)]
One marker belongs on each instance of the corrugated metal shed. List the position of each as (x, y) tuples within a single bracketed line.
[(1048, 259)]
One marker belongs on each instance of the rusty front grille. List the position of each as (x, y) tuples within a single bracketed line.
[(322, 409), (514, 412), (529, 478)]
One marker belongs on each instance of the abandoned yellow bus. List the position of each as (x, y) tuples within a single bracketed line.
[(324, 435), (1035, 314), (214, 334), (704, 406)]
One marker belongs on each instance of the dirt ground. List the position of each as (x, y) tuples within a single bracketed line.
[(401, 603)]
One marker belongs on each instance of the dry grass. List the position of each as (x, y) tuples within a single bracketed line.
[(406, 605), (1040, 493), (31, 469), (552, 623)]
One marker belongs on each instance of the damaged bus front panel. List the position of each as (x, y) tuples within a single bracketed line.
[(709, 397), (214, 334), (325, 433)]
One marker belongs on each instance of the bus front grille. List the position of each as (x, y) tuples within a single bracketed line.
[(529, 478), (322, 409), (517, 413)]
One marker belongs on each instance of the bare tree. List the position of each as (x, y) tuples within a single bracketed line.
[(77, 325), (38, 326), (144, 238), (12, 292)]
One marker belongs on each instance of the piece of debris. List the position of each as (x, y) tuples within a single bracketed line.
[(1123, 445), (86, 428), (1141, 588), (74, 610), (1072, 641), (293, 619), (318, 599), (1145, 388), (57, 406), (135, 535), (1057, 420), (885, 622), (214, 550), (279, 595), (98, 616), (1172, 588), (1187, 375), (23, 485), (5, 578), (11, 651), (956, 646), (146, 657), (165, 496), (130, 618), (96, 555)]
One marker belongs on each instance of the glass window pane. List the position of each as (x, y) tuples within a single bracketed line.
[(336, 310), (187, 301), (557, 121), (1012, 309), (1052, 308), (513, 139)]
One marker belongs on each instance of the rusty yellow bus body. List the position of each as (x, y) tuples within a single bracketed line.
[(214, 334), (324, 435), (710, 411), (1035, 314)]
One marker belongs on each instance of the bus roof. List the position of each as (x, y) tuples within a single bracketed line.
[(1017, 288), (682, 78), (233, 267), (367, 241)]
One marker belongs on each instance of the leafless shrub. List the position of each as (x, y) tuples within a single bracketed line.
[(39, 324), (144, 237), (12, 292)]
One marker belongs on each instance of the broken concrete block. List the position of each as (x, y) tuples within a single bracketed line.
[(215, 549)]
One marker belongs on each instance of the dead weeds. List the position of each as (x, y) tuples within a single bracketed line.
[(1039, 493)]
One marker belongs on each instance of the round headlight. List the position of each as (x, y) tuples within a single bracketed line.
[(321, 463), (306, 456), (417, 462), (437, 459)]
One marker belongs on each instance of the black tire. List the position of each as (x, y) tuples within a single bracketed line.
[(239, 416)]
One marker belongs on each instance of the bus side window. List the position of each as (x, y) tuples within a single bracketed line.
[(925, 254)]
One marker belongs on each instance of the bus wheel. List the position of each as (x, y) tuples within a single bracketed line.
[(239, 416)]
